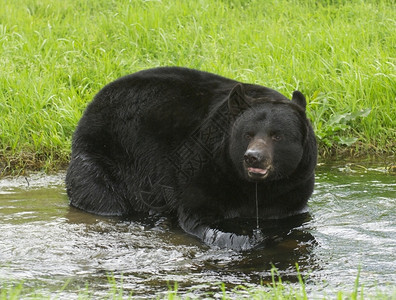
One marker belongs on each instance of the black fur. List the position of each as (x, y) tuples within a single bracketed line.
[(173, 140)]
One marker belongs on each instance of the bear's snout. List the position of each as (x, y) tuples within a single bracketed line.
[(257, 160), (252, 156), (257, 153)]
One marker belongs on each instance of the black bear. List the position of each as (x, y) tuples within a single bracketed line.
[(196, 146)]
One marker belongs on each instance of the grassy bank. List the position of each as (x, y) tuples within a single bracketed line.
[(55, 55), (277, 289)]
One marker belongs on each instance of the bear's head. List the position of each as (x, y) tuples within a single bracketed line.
[(268, 135)]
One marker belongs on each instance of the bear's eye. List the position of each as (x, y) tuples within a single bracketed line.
[(248, 136), (276, 137)]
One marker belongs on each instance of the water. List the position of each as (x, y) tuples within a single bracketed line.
[(46, 244)]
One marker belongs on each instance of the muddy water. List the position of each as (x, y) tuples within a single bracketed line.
[(351, 224)]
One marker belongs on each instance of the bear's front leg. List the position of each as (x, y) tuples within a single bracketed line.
[(233, 241), (199, 221)]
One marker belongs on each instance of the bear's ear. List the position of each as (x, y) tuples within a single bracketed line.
[(237, 100), (299, 99)]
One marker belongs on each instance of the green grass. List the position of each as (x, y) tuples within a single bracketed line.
[(55, 55), (276, 289)]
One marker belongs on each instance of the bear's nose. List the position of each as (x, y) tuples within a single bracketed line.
[(251, 156)]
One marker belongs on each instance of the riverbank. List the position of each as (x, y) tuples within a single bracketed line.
[(277, 289), (26, 163), (340, 54)]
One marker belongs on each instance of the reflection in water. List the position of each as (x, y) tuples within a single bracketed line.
[(45, 242), (287, 242)]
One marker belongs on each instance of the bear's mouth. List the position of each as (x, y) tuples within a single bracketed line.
[(257, 173)]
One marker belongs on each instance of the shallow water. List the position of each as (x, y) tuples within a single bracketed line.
[(351, 224)]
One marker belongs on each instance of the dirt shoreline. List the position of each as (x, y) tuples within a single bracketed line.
[(25, 163)]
